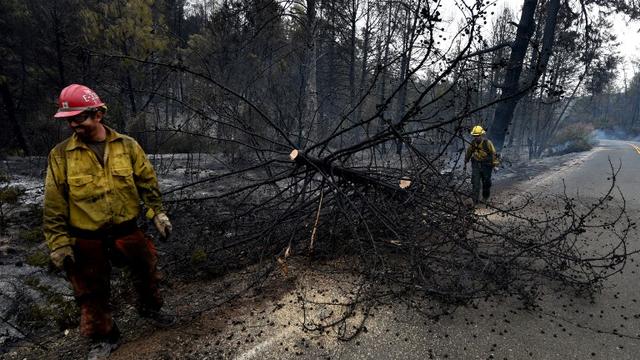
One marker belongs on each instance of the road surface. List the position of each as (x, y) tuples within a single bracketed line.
[(565, 327)]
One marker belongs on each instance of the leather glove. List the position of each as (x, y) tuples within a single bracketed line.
[(60, 256), (163, 225)]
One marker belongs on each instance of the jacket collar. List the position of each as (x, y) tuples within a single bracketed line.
[(75, 142)]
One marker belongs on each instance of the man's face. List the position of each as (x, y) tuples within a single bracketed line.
[(85, 124), (477, 138)]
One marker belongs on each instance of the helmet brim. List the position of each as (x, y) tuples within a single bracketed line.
[(66, 114)]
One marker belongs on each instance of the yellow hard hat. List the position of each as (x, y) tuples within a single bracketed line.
[(477, 131)]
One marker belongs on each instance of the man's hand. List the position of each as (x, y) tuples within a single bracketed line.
[(163, 225), (59, 255)]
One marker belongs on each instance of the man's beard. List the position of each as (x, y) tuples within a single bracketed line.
[(82, 133)]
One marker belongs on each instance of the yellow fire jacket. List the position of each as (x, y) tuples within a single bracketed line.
[(482, 151), (81, 193)]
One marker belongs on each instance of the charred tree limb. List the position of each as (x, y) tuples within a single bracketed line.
[(354, 176)]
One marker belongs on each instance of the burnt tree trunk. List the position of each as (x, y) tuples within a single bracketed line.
[(408, 37), (384, 44), (511, 89), (636, 108), (310, 91), (59, 43), (14, 124), (512, 92), (364, 69), (353, 18)]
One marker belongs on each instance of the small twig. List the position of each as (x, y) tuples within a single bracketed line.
[(315, 225)]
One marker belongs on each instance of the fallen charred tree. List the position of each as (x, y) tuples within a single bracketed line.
[(421, 238)]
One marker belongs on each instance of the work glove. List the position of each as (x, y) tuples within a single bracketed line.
[(62, 256), (163, 225)]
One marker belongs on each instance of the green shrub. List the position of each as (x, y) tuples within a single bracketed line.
[(63, 313), (56, 309), (38, 258), (573, 138), (198, 256), (32, 281), (33, 236)]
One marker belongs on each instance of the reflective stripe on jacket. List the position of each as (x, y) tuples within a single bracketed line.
[(484, 151), (81, 193)]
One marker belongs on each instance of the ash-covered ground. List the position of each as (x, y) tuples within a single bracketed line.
[(257, 311)]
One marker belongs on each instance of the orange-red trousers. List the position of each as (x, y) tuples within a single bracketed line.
[(90, 276)]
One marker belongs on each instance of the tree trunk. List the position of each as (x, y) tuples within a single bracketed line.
[(59, 40), (14, 124), (636, 107), (512, 92), (405, 66), (511, 89), (352, 58), (310, 94), (383, 58), (130, 92), (327, 108), (548, 39), (364, 69)]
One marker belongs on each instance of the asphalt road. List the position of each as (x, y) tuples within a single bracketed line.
[(564, 327)]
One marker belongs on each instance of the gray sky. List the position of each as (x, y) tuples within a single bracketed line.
[(627, 32), (629, 39)]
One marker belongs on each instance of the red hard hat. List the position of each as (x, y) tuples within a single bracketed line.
[(75, 99)]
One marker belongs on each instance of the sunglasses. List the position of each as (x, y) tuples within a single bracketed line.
[(78, 119)]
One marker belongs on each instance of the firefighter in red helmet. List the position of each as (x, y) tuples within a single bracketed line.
[(95, 184)]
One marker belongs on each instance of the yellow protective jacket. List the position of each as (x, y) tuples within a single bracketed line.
[(483, 152), (81, 193)]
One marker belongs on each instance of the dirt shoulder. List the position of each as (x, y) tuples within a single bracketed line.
[(509, 176)]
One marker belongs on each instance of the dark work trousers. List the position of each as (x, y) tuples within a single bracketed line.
[(480, 175), (90, 276)]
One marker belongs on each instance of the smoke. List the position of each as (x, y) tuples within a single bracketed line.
[(615, 133)]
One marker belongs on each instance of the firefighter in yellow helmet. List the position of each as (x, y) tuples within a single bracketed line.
[(484, 159), (95, 183)]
